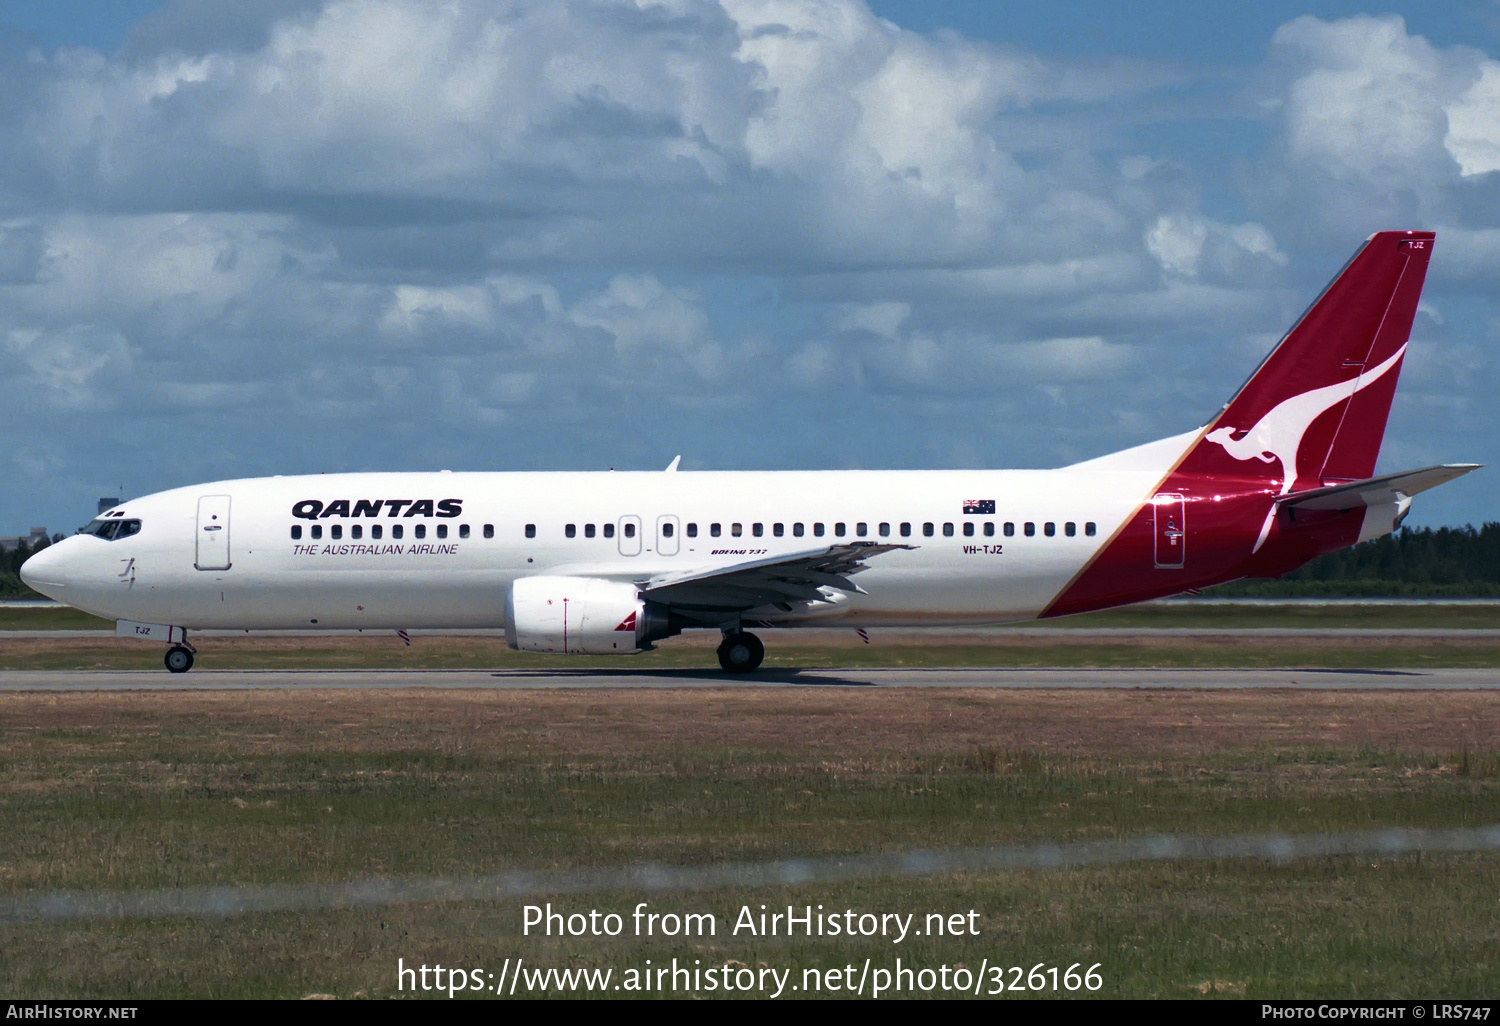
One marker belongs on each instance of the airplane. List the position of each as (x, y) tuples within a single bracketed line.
[(612, 562)]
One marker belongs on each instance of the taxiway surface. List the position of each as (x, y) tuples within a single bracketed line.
[(251, 680)]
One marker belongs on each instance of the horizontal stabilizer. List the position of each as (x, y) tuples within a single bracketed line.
[(1377, 491)]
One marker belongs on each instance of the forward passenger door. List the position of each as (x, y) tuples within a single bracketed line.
[(213, 533)]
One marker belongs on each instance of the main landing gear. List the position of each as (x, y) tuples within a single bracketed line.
[(740, 652), (180, 658)]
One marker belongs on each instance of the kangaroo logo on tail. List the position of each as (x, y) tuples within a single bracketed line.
[(1278, 434)]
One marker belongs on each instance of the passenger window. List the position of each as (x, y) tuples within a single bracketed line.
[(666, 530), (757, 530), (630, 530), (968, 528), (1088, 528), (989, 529), (817, 530), (927, 530), (1070, 529), (692, 530), (571, 531), (588, 530), (356, 532), (1010, 529), (885, 530), (861, 529), (1030, 529), (778, 530), (906, 530), (375, 531), (531, 530), (335, 531), (838, 530), (463, 530), (296, 531), (489, 530), (317, 531), (397, 530), (419, 530), (609, 530), (442, 530), (1049, 529), (947, 530), (736, 530), (714, 530), (797, 530)]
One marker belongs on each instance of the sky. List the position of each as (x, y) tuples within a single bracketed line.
[(302, 236)]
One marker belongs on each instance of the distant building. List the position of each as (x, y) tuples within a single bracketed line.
[(38, 534), (108, 502)]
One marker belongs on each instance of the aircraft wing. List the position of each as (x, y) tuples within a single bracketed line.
[(775, 580), (1377, 491)]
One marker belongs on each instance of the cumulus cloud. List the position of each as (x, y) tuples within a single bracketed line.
[(1366, 98), (513, 232), (1189, 245), (1473, 137), (1063, 358), (1377, 126), (861, 141)]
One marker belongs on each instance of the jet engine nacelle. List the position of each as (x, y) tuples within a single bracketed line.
[(581, 615)]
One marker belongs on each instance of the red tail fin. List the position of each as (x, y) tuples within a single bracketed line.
[(1314, 412), (1309, 419)]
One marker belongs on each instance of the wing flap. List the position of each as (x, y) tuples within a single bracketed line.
[(785, 578), (1376, 491)]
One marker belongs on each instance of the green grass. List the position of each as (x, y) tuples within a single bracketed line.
[(50, 618), (123, 792), (1000, 647), (1182, 613), (783, 652)]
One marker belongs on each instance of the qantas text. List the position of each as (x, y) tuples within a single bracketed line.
[(313, 509)]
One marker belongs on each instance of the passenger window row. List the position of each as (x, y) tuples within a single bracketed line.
[(736, 530), (840, 530)]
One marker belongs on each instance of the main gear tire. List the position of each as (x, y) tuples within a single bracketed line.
[(741, 652)]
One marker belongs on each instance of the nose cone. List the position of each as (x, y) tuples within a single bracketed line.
[(47, 573)]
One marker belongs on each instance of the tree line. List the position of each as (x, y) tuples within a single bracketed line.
[(1443, 562), (10, 566)]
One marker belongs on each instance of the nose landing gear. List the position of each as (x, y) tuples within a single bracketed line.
[(180, 658), (740, 652)]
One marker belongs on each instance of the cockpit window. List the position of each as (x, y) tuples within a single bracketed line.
[(112, 530)]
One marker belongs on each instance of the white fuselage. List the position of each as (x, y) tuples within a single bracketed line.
[(453, 570)]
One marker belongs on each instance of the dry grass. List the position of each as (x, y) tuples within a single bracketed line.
[(119, 791), (613, 723), (788, 649)]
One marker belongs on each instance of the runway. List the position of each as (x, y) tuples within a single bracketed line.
[(824, 636), (1310, 679)]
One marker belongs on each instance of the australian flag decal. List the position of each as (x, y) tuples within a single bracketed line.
[(979, 507)]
